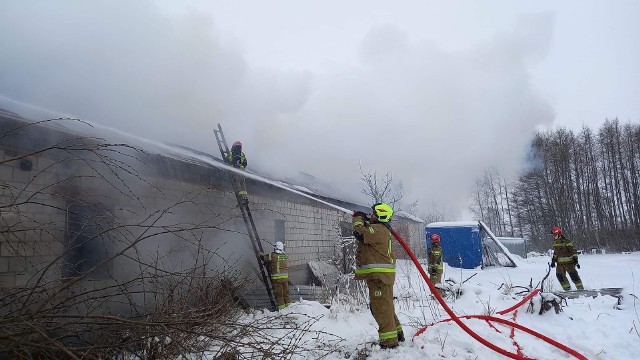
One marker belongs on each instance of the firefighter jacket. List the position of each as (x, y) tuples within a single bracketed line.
[(278, 264), (435, 259), (374, 255), (236, 157), (563, 251)]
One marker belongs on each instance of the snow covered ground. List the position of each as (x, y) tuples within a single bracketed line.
[(597, 328)]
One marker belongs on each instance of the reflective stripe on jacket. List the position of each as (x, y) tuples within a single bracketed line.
[(563, 251), (435, 259), (278, 265), (237, 159), (374, 254)]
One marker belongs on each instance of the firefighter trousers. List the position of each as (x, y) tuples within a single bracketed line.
[(436, 278), (561, 270), (281, 292), (239, 180), (383, 311)]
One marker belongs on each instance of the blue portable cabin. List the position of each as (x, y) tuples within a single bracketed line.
[(468, 244)]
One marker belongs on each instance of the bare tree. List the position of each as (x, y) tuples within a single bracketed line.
[(107, 258), (586, 183), (435, 213), (491, 202), (381, 190)]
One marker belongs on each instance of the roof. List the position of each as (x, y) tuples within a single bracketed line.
[(510, 240), (453, 224), (186, 154)]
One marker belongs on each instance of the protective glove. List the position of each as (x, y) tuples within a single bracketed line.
[(553, 264), (359, 213), (575, 262), (358, 236)]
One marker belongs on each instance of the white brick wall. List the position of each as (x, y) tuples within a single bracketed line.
[(310, 228), (310, 231)]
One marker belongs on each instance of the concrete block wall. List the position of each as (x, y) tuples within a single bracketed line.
[(418, 243), (34, 205), (31, 220), (310, 227)]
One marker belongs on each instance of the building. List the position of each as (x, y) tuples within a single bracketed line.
[(469, 244), (107, 208), (515, 245)]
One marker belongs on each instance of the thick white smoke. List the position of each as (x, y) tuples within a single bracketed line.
[(434, 117)]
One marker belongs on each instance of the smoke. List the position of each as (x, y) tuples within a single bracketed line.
[(132, 67), (434, 118)]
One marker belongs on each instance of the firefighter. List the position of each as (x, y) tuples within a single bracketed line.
[(435, 261), (566, 258), (236, 158), (376, 265), (277, 262)]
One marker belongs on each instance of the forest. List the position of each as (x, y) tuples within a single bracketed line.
[(588, 183)]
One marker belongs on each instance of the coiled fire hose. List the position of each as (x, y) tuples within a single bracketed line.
[(456, 319), (453, 316)]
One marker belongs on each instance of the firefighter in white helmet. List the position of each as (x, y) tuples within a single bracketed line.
[(277, 261)]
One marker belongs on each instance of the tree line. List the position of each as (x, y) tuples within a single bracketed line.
[(587, 182)]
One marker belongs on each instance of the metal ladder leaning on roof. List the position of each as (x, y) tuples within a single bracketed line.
[(248, 220)]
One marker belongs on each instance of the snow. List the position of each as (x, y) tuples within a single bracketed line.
[(597, 328), (453, 224)]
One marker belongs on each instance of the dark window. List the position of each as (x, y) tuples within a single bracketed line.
[(346, 229), (279, 231), (87, 240), (26, 165)]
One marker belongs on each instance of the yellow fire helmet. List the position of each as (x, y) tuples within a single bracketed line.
[(383, 211)]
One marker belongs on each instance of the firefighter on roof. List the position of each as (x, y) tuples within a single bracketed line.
[(236, 158)]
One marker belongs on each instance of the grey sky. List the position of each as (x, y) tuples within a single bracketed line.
[(432, 91)]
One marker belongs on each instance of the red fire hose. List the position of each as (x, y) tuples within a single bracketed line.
[(520, 303), (464, 327)]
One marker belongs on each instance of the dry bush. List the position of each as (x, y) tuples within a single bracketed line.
[(109, 265)]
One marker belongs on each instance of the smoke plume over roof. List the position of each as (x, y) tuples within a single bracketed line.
[(433, 117)]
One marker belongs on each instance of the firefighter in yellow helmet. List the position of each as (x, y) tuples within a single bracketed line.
[(566, 258), (435, 261), (278, 264), (237, 159), (376, 265)]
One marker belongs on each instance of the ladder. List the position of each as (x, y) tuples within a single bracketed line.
[(248, 220)]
